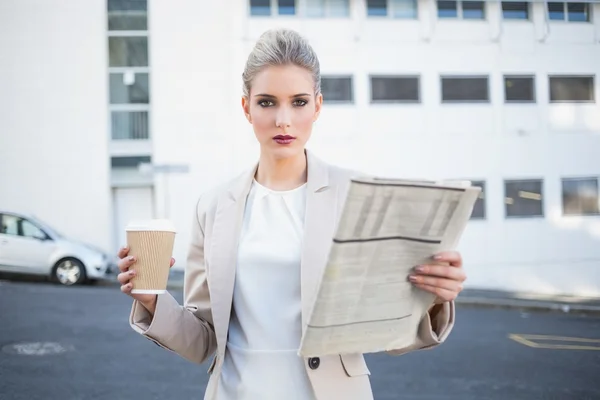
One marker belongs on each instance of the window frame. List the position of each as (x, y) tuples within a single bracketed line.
[(419, 100), (520, 76), (529, 11), (339, 76), (274, 10), (389, 11), (542, 202), (565, 11), (482, 197), (460, 11), (579, 178), (593, 86), (472, 76), (20, 234)]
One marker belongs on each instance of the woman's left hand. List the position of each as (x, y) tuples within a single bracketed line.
[(444, 276)]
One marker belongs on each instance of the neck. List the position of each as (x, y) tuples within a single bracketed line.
[(281, 173)]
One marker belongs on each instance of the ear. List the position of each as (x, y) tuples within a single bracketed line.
[(246, 108), (318, 106)]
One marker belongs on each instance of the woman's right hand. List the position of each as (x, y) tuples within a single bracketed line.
[(126, 262)]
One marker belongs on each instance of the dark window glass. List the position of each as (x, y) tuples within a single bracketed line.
[(447, 9), (556, 11), (129, 88), (260, 7), (287, 7), (515, 10), (519, 89), (127, 15), (377, 8), (337, 89), (479, 207), (395, 89), (578, 12), (128, 51), (129, 161), (130, 125), (465, 89), (580, 196), (473, 10), (523, 198), (579, 88)]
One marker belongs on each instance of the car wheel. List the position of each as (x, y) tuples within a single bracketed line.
[(69, 271)]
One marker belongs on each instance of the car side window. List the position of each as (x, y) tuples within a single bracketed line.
[(10, 225), (30, 230)]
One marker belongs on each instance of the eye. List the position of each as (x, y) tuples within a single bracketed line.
[(300, 103), (266, 103)]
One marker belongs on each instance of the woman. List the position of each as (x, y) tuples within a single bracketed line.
[(259, 245)]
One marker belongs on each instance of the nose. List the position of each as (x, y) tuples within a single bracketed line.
[(283, 118)]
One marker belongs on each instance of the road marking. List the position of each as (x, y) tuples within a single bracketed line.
[(534, 341), (37, 348)]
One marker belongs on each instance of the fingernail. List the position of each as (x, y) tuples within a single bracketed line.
[(420, 268), (412, 278), (437, 257), (130, 258), (132, 272)]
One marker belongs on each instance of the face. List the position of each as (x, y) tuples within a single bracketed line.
[(282, 108)]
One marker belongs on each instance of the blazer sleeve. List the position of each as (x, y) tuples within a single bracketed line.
[(186, 330), (434, 328)]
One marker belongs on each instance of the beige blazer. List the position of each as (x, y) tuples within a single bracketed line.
[(199, 328)]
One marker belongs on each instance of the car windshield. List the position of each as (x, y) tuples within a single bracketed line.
[(49, 230)]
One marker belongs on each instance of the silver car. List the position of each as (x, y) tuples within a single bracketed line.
[(29, 246)]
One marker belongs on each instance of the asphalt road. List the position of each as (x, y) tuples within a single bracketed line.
[(100, 357)]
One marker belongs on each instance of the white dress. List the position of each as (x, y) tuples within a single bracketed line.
[(261, 360)]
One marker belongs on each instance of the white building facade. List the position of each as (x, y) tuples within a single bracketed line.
[(117, 110)]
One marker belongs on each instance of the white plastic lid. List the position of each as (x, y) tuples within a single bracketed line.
[(151, 225)]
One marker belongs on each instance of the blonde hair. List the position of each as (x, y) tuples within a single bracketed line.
[(281, 47)]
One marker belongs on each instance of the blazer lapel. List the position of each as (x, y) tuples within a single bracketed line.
[(319, 225), (226, 232)]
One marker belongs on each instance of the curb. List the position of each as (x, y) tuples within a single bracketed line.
[(481, 302)]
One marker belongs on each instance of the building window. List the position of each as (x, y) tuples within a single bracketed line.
[(395, 89), (580, 196), (266, 8), (337, 89), (130, 125), (129, 161), (128, 51), (479, 207), (465, 89), (523, 198), (515, 10), (572, 12), (461, 9), (127, 15), (406, 9), (572, 89), (129, 88), (327, 8), (519, 89)]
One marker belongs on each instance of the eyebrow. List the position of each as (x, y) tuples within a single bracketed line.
[(270, 96)]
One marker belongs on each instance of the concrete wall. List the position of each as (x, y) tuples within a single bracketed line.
[(53, 115)]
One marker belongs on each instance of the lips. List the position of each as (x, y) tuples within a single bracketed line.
[(284, 139)]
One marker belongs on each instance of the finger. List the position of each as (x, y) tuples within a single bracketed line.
[(443, 294), (126, 288), (441, 283), (125, 277), (453, 257), (172, 262), (125, 263), (444, 271), (123, 252)]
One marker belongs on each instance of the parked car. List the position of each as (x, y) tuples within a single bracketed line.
[(30, 246)]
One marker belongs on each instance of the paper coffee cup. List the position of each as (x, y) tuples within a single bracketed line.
[(151, 243)]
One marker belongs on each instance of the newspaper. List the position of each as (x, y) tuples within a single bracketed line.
[(365, 302)]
